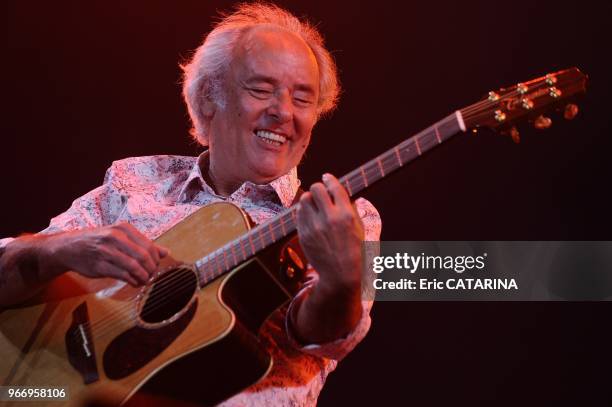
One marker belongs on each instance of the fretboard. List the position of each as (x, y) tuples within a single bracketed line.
[(265, 234)]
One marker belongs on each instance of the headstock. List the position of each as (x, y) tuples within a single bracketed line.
[(503, 109)]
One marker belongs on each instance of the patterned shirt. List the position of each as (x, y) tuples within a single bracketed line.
[(154, 193)]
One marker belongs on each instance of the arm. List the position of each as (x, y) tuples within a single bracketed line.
[(118, 251), (21, 273), (331, 234)]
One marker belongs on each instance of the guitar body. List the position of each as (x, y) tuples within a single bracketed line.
[(108, 343)]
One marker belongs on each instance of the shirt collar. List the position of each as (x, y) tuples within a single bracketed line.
[(285, 186)]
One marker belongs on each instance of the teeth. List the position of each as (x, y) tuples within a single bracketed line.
[(271, 138)]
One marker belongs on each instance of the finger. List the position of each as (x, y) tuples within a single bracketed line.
[(311, 221), (108, 269), (131, 242), (128, 264), (321, 197), (163, 251), (156, 252), (138, 253), (142, 241), (336, 190), (307, 204), (306, 212)]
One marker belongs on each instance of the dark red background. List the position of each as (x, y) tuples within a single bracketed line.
[(85, 83)]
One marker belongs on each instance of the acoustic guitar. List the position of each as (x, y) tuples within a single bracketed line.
[(204, 307)]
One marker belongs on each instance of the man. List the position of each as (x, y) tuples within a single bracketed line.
[(254, 90)]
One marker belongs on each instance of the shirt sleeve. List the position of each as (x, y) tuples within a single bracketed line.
[(339, 348)]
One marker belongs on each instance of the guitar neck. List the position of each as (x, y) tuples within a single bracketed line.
[(266, 234)]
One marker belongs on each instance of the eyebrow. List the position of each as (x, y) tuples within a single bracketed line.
[(267, 79)]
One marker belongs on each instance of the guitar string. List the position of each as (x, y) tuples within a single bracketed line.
[(172, 283), (177, 284), (169, 285), (108, 322), (129, 312)]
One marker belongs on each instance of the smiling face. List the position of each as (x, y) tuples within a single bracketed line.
[(271, 94)]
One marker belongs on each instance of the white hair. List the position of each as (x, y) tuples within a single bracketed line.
[(203, 74)]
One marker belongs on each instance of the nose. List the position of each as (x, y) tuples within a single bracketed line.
[(281, 107)]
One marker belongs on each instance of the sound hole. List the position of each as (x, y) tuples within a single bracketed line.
[(169, 294)]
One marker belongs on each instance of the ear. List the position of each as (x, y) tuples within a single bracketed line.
[(207, 112), (208, 109)]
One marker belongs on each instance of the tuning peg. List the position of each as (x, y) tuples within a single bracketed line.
[(542, 122), (514, 133), (570, 111)]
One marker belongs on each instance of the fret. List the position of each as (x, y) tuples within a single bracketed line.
[(380, 167), (438, 134), (225, 259), (418, 147), (363, 176), (249, 236), (347, 185), (240, 243), (218, 261), (261, 239), (271, 231), (233, 251), (397, 155)]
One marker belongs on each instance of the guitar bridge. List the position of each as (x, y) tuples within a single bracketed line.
[(80, 347)]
